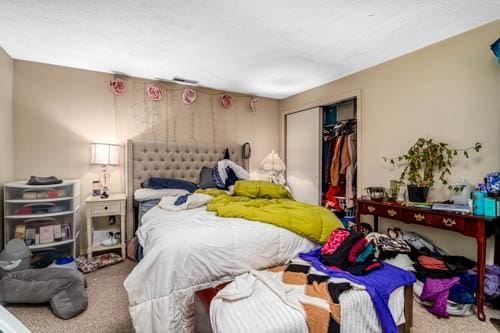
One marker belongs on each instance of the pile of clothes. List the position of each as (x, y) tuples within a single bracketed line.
[(358, 254), (445, 284), (362, 267)]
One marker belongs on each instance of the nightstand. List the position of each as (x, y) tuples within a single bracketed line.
[(114, 205)]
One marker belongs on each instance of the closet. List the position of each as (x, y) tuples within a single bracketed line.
[(321, 155)]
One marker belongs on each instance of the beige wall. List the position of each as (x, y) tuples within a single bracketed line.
[(449, 91), (6, 135), (59, 111)]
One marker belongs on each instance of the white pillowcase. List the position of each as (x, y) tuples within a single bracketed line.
[(145, 194), (238, 171), (194, 200)]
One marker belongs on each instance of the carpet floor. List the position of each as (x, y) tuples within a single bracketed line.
[(108, 311)]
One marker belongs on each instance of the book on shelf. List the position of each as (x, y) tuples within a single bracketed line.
[(30, 238), (37, 238), (46, 234), (65, 232), (57, 232), (20, 231)]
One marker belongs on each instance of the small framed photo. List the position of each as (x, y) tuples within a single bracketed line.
[(96, 188)]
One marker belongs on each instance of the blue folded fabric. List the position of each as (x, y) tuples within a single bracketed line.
[(379, 284), (463, 292), (231, 177), (182, 199), (219, 182), (159, 183)]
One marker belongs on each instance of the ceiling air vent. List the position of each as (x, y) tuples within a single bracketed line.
[(184, 81)]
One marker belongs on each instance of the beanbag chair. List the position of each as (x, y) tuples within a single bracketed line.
[(64, 289)]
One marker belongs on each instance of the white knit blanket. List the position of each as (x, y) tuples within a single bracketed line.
[(250, 304)]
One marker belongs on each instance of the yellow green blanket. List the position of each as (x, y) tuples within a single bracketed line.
[(312, 222)]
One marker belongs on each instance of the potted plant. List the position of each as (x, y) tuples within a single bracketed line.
[(425, 158)]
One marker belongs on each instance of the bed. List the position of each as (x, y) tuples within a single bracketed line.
[(191, 250)]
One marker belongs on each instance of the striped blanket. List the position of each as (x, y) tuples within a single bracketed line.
[(296, 298)]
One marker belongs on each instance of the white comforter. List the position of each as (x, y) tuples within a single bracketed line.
[(194, 249)]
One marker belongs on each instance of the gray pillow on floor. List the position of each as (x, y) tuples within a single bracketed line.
[(63, 288)]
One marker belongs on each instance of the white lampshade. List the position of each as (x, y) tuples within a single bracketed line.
[(272, 162), (104, 154)]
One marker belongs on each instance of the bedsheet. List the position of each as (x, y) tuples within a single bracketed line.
[(194, 249)]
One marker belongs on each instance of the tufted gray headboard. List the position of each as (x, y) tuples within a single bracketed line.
[(170, 160)]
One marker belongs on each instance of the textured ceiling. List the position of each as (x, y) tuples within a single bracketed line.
[(270, 48)]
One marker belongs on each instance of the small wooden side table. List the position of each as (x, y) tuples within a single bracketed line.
[(114, 205)]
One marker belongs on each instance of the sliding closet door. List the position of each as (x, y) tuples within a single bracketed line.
[(303, 158)]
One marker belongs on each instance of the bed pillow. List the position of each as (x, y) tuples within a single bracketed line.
[(158, 183), (146, 194), (221, 176), (194, 200), (207, 178), (261, 189)]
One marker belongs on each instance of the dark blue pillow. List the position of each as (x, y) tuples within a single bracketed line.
[(231, 177), (159, 183)]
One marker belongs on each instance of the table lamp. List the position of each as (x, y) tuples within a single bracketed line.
[(272, 162), (104, 154)]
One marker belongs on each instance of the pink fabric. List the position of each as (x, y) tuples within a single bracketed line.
[(356, 249), (337, 237)]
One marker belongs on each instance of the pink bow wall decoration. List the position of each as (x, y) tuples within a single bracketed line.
[(117, 86), (254, 104), (226, 101), (154, 92), (189, 96)]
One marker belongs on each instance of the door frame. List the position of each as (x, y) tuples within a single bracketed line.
[(357, 94)]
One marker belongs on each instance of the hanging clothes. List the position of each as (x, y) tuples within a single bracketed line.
[(328, 147), (345, 158), (350, 186), (335, 167), (339, 164)]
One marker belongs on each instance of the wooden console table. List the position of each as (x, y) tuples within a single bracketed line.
[(478, 227)]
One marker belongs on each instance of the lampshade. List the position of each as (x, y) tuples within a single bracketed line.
[(272, 162), (104, 154)]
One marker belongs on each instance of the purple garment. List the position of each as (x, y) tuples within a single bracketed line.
[(379, 284), (492, 280), (437, 291)]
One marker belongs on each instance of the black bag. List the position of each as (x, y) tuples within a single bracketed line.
[(35, 180)]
